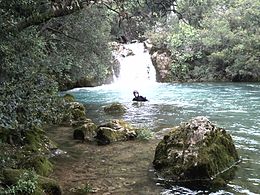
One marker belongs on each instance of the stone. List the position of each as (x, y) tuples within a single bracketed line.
[(86, 132), (196, 152), (115, 108), (75, 111), (69, 98), (81, 122), (148, 45), (115, 130), (39, 163), (162, 62)]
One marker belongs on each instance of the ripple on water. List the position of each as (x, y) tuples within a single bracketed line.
[(233, 106)]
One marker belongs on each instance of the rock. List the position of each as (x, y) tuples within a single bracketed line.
[(78, 110), (40, 164), (81, 122), (116, 130), (196, 152), (115, 108), (69, 98), (85, 132), (43, 186), (148, 45), (162, 62), (75, 112), (36, 140)]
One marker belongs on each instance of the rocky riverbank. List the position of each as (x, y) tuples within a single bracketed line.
[(125, 162)]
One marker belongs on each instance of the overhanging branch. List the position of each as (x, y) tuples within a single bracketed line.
[(68, 7)]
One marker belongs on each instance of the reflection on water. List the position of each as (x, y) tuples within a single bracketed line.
[(236, 107)]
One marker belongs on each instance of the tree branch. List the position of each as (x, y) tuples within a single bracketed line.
[(69, 7), (110, 8), (60, 32)]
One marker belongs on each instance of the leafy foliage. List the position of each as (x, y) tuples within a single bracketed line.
[(220, 41), (82, 40), (83, 189), (26, 184), (144, 133), (37, 60), (28, 92)]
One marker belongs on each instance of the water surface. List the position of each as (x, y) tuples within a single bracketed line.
[(233, 106)]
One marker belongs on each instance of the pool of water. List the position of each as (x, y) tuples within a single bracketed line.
[(233, 106)]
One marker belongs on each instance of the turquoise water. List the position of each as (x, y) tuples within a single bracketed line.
[(233, 106)]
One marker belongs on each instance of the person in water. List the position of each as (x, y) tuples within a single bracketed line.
[(138, 97)]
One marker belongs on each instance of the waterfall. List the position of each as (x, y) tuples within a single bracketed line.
[(136, 68)]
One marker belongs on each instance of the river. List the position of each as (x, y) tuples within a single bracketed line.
[(233, 106)]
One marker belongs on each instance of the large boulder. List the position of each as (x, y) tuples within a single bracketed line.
[(196, 153), (113, 131)]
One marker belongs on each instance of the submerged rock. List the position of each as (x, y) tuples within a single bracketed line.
[(196, 152), (116, 130), (115, 108)]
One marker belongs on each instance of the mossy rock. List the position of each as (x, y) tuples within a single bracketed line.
[(115, 130), (196, 152), (40, 164), (75, 111), (81, 122), (69, 98), (36, 140), (85, 132), (115, 108), (118, 124), (44, 185)]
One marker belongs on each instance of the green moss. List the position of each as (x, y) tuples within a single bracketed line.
[(35, 184), (115, 130), (49, 186), (35, 139), (78, 114), (4, 134), (85, 132), (40, 164), (220, 148), (106, 135), (187, 155), (75, 111), (82, 189), (69, 98)]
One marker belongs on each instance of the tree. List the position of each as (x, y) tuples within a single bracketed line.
[(217, 43), (31, 61)]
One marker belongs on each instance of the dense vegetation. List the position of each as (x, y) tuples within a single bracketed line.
[(50, 45), (214, 41), (47, 46)]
